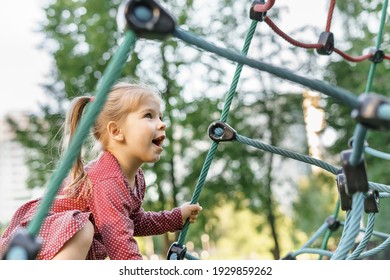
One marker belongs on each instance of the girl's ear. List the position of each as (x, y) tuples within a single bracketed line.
[(114, 131)]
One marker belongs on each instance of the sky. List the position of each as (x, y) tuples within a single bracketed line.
[(23, 67)]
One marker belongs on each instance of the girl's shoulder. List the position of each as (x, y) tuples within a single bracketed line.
[(105, 166)]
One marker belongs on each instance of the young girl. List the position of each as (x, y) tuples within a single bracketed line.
[(98, 210)]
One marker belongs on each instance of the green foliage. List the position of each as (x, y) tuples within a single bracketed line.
[(317, 200)]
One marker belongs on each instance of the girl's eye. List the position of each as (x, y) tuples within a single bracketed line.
[(149, 115)]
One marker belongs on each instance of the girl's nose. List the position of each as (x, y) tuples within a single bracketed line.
[(162, 125)]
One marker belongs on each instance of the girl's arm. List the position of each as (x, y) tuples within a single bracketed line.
[(111, 209)]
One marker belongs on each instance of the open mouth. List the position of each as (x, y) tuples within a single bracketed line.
[(159, 141)]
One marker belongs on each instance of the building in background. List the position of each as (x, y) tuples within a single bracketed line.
[(13, 171)]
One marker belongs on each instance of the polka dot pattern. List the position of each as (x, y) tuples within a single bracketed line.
[(113, 208)]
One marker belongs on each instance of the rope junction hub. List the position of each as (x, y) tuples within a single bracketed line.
[(355, 175), (367, 111), (149, 19), (221, 132), (176, 252), (23, 246), (333, 224)]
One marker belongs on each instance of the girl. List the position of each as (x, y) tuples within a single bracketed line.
[(98, 209)]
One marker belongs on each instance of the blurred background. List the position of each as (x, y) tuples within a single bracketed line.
[(257, 205)]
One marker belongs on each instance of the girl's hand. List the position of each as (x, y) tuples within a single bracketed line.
[(190, 212)]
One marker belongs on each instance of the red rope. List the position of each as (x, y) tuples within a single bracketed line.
[(268, 5), (352, 58), (330, 15), (296, 43), (261, 8)]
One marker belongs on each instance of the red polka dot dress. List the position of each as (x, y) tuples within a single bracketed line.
[(114, 209)]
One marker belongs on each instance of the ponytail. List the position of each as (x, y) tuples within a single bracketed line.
[(77, 182)]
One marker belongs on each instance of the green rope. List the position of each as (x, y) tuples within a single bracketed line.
[(190, 257), (376, 250), (377, 233), (343, 95), (293, 155), (224, 115), (361, 131), (312, 251), (349, 234), (377, 153), (109, 77), (351, 228), (366, 238), (339, 93), (379, 187), (328, 233), (316, 235), (358, 144)]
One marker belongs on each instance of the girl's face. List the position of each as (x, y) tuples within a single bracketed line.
[(144, 133)]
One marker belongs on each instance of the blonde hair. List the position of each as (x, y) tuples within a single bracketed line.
[(123, 99)]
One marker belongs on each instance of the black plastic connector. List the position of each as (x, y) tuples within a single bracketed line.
[(366, 112), (289, 256), (259, 16), (377, 55), (345, 199), (333, 224), (356, 176), (371, 202), (149, 19), (327, 43), (23, 246), (176, 252)]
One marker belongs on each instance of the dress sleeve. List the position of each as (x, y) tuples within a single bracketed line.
[(154, 223), (111, 208)]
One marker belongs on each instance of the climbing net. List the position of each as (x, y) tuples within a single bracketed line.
[(148, 19)]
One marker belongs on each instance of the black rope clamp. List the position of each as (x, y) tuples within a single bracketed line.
[(221, 132), (149, 19), (289, 257), (259, 16), (371, 202), (326, 41), (345, 199), (23, 246), (176, 252), (366, 112), (377, 55), (356, 176), (333, 224)]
